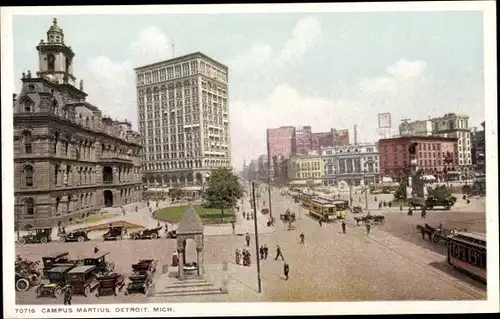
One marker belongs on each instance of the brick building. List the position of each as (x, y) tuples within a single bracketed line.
[(280, 146), (69, 159), (435, 156), (303, 139)]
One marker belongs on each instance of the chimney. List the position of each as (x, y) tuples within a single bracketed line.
[(355, 134)]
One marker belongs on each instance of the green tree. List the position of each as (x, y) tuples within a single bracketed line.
[(176, 191), (223, 190), (400, 193)]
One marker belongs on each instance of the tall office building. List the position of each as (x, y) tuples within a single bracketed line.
[(184, 118)]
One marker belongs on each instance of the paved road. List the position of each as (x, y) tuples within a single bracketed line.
[(330, 266)]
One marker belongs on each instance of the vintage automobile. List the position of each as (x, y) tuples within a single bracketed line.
[(150, 233), (57, 277), (56, 258), (98, 259), (83, 280), (110, 284), (29, 270), (22, 283), (36, 236), (79, 235), (264, 210), (171, 234), (114, 233), (145, 267), (139, 284), (369, 218)]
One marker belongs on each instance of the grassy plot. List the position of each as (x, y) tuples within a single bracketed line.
[(208, 215)]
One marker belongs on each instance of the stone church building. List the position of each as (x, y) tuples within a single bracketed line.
[(69, 159)]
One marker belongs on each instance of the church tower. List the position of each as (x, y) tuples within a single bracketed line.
[(55, 58)]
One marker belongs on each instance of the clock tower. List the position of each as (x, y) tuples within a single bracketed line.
[(55, 58)]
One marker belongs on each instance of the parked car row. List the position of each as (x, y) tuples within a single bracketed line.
[(83, 275), (44, 235)]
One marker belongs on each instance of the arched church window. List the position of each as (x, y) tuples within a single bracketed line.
[(51, 62), (68, 64), (28, 104)]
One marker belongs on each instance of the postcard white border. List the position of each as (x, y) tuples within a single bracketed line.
[(211, 309)]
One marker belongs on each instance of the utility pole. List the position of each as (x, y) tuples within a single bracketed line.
[(269, 192), (256, 237), (366, 190)]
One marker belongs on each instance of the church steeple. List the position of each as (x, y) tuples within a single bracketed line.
[(55, 58)]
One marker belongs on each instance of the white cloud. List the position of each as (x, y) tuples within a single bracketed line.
[(402, 75), (305, 34), (111, 85)]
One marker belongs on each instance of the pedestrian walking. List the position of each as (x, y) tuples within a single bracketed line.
[(96, 250), (123, 210), (343, 227), (286, 270), (368, 226), (278, 253), (301, 238), (266, 252), (158, 224), (424, 211), (261, 251), (233, 226), (68, 295), (320, 222), (247, 238)]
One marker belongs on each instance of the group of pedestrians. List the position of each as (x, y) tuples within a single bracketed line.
[(263, 251), (243, 257)]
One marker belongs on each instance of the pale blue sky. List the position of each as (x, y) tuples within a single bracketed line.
[(344, 68)]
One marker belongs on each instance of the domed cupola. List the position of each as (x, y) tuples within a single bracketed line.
[(55, 34)]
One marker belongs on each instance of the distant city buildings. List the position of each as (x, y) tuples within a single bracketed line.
[(70, 160), (450, 125), (435, 156), (184, 120), (351, 164), (478, 151), (285, 141), (305, 170)]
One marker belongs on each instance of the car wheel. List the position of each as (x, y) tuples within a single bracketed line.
[(133, 237), (22, 241), (62, 239), (22, 284), (43, 240), (154, 236), (435, 239), (87, 291), (119, 237), (81, 239), (57, 292)]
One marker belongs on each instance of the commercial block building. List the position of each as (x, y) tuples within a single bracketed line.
[(280, 146), (302, 168), (69, 159), (437, 156), (450, 125), (351, 165), (184, 120)]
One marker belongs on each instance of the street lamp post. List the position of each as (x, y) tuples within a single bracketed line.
[(366, 189), (256, 237)]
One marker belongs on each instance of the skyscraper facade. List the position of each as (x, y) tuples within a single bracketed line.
[(183, 115)]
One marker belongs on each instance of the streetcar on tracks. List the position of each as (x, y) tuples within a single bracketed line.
[(467, 253), (325, 209)]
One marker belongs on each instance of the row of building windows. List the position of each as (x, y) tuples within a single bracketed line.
[(181, 70), (185, 164)]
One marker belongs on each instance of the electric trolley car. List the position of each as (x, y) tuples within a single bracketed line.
[(467, 253)]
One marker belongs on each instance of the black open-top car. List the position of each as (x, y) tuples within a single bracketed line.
[(114, 232), (79, 235)]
